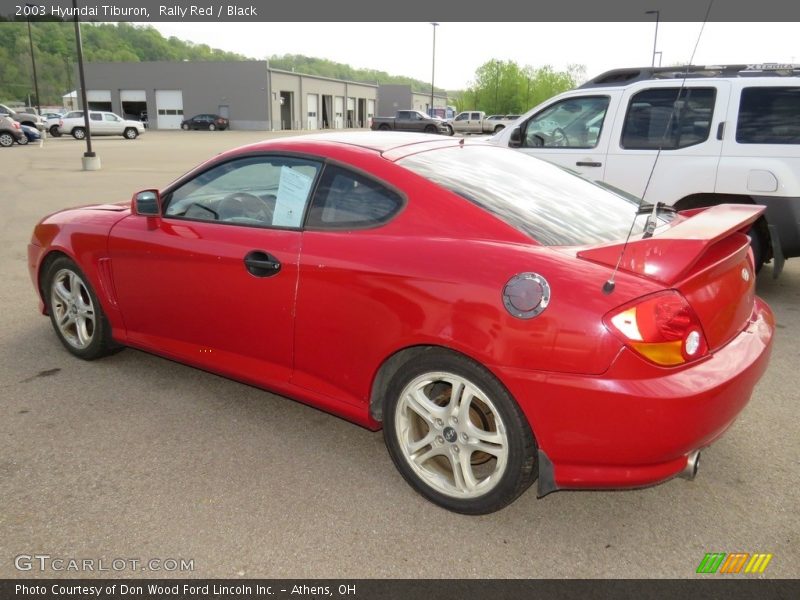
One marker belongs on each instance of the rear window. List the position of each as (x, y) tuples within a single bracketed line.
[(551, 205), (769, 115)]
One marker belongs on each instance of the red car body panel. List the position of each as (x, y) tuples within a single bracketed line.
[(345, 302)]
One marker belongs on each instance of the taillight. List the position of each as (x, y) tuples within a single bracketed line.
[(17, 125), (663, 328), (60, 123)]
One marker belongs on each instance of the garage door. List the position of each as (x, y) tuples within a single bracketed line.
[(134, 104), (169, 108), (311, 122), (338, 111), (99, 99)]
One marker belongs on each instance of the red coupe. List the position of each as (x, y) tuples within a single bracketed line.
[(500, 318)]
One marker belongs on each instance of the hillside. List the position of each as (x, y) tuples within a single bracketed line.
[(54, 47)]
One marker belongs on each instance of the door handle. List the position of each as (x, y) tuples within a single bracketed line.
[(588, 163), (261, 264)]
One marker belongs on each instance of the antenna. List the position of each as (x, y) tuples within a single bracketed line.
[(650, 225)]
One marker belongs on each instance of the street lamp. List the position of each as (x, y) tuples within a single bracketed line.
[(90, 160), (655, 38), (33, 60), (433, 67)]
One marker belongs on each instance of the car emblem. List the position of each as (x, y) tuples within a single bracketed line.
[(450, 434), (745, 274)]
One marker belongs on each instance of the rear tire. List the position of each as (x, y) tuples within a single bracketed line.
[(759, 246), (54, 131), (212, 127), (75, 312), (23, 141), (185, 126), (6, 140), (79, 133), (456, 435)]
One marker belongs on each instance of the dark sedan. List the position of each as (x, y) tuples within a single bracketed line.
[(210, 122)]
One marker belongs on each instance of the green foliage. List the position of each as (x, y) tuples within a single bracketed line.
[(503, 87), (54, 47)]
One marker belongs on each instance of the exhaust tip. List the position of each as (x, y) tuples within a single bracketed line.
[(692, 464)]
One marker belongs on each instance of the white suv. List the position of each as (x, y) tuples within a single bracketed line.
[(732, 135), (100, 123)]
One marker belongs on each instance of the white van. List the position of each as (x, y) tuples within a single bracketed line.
[(731, 135)]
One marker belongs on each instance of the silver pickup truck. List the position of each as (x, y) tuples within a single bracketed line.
[(23, 118), (474, 121)]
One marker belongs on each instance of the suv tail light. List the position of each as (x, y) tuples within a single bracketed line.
[(663, 328), (17, 125)]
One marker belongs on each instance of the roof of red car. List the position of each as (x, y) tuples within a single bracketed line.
[(391, 144)]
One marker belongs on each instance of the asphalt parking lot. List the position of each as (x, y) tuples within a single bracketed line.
[(137, 457)]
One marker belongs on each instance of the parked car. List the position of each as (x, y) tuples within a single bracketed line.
[(477, 122), (10, 131), (23, 118), (100, 123), (411, 120), (31, 134), (464, 297), (722, 134), (210, 122), (53, 122)]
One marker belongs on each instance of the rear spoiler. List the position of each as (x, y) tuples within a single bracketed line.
[(668, 255)]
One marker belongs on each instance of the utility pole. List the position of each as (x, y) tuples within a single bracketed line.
[(433, 66), (90, 161)]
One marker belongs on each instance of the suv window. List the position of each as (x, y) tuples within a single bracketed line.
[(571, 123), (657, 118), (269, 191), (346, 200), (769, 115), (95, 116)]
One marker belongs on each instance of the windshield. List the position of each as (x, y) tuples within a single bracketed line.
[(554, 207)]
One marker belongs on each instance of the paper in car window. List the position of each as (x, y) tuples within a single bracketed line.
[(292, 193)]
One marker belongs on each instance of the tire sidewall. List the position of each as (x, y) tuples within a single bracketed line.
[(78, 133), (130, 133), (4, 140), (520, 470)]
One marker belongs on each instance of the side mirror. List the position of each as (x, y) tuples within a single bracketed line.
[(147, 203), (515, 141)]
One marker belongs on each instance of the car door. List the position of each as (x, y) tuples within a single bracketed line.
[(572, 132), (685, 122), (213, 280), (475, 123), (112, 124), (460, 122), (96, 124)]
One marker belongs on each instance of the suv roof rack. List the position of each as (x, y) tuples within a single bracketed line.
[(619, 77)]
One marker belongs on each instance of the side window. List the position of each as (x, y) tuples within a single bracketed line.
[(658, 118), (462, 117), (108, 117), (475, 117), (769, 115), (570, 123), (348, 200), (269, 191), (95, 116)]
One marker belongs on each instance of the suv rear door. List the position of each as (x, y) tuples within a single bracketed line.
[(688, 130)]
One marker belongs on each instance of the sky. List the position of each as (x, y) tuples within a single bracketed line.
[(406, 48)]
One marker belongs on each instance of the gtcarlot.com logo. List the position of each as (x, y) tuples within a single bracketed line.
[(738, 562), (46, 562)]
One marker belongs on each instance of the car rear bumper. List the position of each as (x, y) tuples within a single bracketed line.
[(638, 424)]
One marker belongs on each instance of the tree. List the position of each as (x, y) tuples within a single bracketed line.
[(503, 87)]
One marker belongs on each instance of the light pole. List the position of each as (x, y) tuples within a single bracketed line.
[(91, 162), (433, 65), (33, 61), (655, 38)]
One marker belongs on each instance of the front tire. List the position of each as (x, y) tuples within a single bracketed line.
[(79, 133), (130, 133), (185, 126), (75, 311), (456, 435)]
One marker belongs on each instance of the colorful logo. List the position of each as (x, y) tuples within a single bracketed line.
[(738, 562)]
